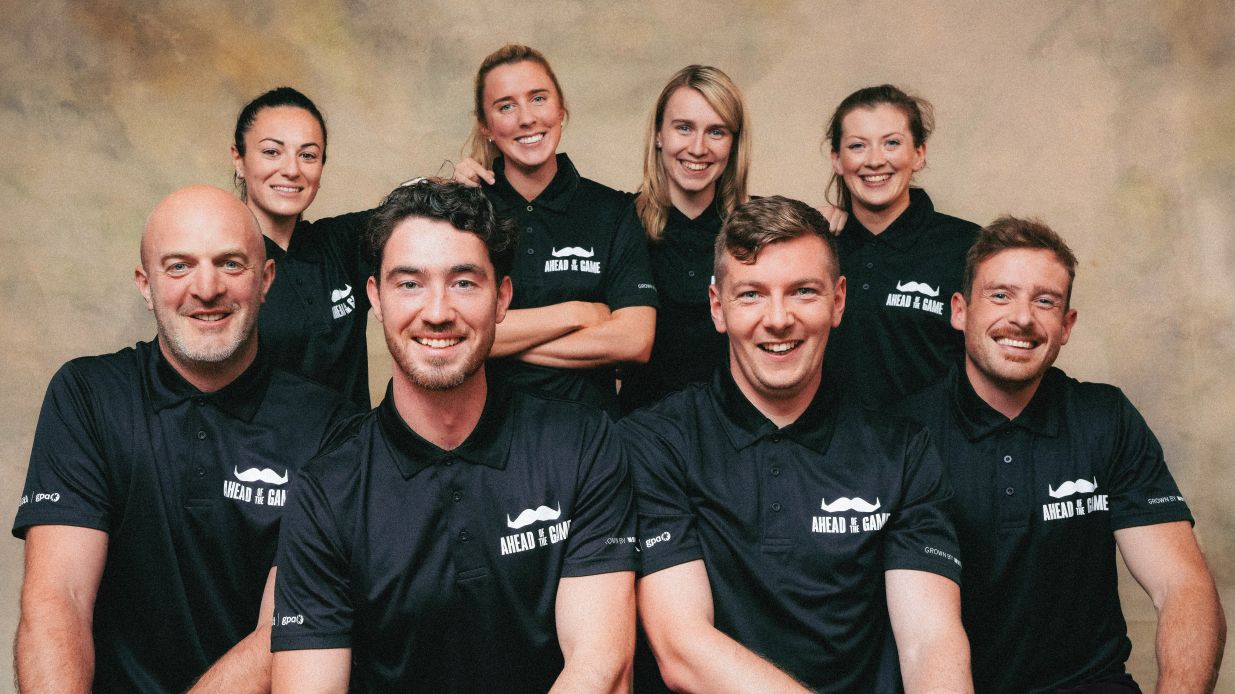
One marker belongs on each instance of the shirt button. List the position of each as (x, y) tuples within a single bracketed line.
[(457, 496), (199, 401), (449, 462), (201, 471), (530, 251), (299, 281), (690, 273), (464, 536), (775, 471), (530, 208), (528, 230), (1006, 432), (866, 286), (201, 435), (1007, 459), (870, 265), (1009, 491), (776, 439), (776, 506)]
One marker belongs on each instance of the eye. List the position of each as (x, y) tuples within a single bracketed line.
[(855, 146), (894, 142), (270, 152), (465, 284), (748, 295), (1047, 302), (309, 156), (806, 291), (718, 133), (232, 266), (682, 128), (506, 107), (408, 285), (539, 99), (178, 269), (999, 297)]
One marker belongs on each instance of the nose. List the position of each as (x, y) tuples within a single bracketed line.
[(698, 146), (438, 309), (526, 116), (776, 315), (206, 285), (1020, 313), (290, 165)]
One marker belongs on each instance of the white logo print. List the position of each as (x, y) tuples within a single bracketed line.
[(846, 504), (573, 250), (532, 515), (919, 287), (1069, 488), (338, 295), (342, 301), (265, 474)]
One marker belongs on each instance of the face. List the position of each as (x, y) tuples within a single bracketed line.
[(877, 157), (282, 163), (204, 274), (778, 312), (694, 145), (1015, 321), (439, 303), (523, 113)]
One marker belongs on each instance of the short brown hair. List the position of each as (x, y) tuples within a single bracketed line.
[(762, 221), (1007, 233)]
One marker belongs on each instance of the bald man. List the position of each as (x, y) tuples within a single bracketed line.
[(159, 473)]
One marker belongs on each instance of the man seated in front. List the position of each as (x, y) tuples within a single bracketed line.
[(790, 539), (467, 537)]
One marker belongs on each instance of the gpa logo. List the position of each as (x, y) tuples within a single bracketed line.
[(43, 496), (293, 619), (663, 537)]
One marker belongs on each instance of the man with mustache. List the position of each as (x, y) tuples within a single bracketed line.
[(1051, 475), (149, 544), (468, 537), (790, 538)]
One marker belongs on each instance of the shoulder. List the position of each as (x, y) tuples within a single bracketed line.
[(341, 228), (343, 459), (309, 405), (926, 404), (601, 199), (1091, 403), (676, 417), (106, 374), (543, 414)]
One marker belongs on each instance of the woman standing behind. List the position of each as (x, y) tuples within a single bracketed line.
[(902, 259), (584, 301), (694, 175), (313, 320)]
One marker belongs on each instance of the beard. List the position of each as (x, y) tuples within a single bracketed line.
[(439, 373)]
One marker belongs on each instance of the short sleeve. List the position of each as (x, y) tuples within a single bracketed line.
[(667, 521), (1142, 490), (629, 281), (67, 482), (921, 535), (312, 602), (602, 528)]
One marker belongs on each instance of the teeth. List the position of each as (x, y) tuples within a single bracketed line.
[(695, 165), (440, 342), (530, 139), (880, 178), (780, 347), (1023, 344), (286, 189), (211, 317)]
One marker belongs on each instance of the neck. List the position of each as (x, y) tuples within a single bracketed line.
[(783, 411), (277, 229), (692, 204), (209, 377), (877, 221), (531, 182), (1008, 399), (444, 418)]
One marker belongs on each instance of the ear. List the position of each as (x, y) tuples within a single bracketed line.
[(505, 291), (836, 163), (375, 301), (1069, 320), (838, 300), (143, 286), (268, 270), (958, 311), (658, 142), (718, 316), (920, 161), (237, 162)]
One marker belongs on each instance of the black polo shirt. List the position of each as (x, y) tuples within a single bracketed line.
[(189, 488), (439, 569), (796, 525), (313, 322), (687, 348), (1040, 599), (896, 335), (571, 248)]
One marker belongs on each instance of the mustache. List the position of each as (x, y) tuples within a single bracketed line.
[(573, 250), (262, 474), (846, 504), (919, 287), (337, 294), (1069, 488), (531, 515)]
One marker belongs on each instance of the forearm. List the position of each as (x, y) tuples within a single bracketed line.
[(939, 665), (625, 338), (244, 668), (54, 650), (601, 674), (527, 328), (1190, 639), (707, 660)]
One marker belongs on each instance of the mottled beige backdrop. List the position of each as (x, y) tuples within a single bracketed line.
[(1113, 121)]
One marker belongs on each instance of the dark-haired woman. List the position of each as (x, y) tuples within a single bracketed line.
[(584, 300), (902, 259), (313, 320)]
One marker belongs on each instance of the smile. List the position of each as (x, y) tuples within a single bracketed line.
[(209, 317), (439, 342), (876, 178), (1011, 342), (530, 139), (287, 189), (695, 165), (780, 347)]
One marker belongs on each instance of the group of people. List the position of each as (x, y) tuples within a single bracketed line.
[(691, 440)]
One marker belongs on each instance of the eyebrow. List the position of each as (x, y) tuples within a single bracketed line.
[(459, 269), (281, 143)]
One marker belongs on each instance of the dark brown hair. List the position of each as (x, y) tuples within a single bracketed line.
[(1007, 233)]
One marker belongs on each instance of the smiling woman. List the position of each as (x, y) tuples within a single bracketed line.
[(313, 321)]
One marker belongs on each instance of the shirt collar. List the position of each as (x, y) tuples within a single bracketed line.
[(709, 220), (486, 445), (744, 424), (239, 399), (902, 233), (556, 196), (977, 419)]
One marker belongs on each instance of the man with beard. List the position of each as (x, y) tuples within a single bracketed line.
[(467, 537), (158, 476), (1051, 475), (790, 538)]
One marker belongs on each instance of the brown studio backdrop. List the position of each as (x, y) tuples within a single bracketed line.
[(1111, 121)]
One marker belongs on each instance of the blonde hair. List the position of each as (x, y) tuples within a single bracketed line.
[(478, 145), (724, 98)]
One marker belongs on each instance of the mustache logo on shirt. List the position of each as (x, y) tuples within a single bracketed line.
[(1069, 488), (338, 295), (264, 474), (846, 504), (919, 287), (531, 515), (573, 250)]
